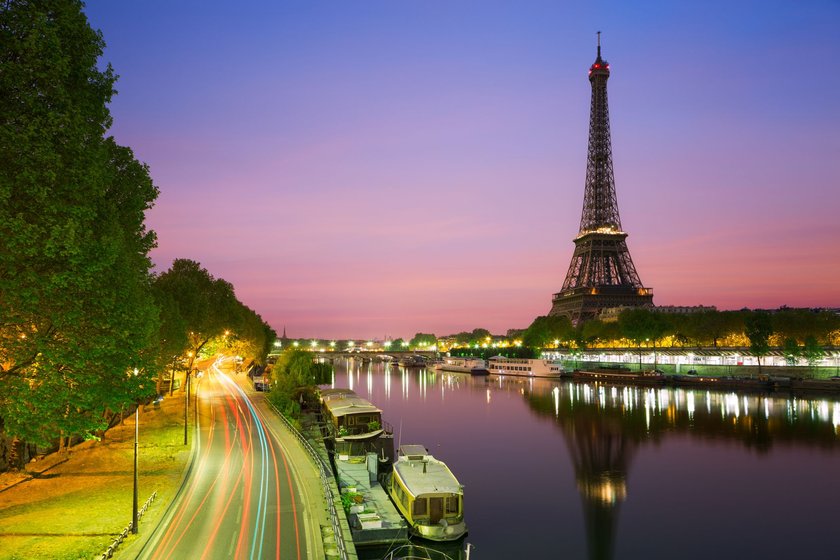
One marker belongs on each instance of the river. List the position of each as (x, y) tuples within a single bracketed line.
[(554, 469)]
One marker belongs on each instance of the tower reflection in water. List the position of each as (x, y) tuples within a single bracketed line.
[(604, 430), (603, 427)]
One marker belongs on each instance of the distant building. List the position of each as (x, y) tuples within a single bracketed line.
[(610, 314), (684, 309)]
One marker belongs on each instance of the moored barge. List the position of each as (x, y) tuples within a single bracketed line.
[(427, 494)]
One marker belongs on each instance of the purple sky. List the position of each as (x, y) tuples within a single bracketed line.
[(363, 169)]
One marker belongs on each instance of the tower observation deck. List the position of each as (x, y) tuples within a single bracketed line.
[(601, 274)]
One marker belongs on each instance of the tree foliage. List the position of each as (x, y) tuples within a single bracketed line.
[(544, 330), (78, 317), (758, 327), (295, 376), (201, 309), (423, 339)]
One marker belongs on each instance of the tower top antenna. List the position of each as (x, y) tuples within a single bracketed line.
[(599, 44)]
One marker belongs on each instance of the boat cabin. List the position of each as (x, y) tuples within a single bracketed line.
[(351, 416), (427, 494)]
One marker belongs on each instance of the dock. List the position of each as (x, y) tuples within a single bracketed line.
[(372, 517)]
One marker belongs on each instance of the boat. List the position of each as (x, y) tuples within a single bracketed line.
[(350, 416), (620, 374), (475, 366), (414, 551), (500, 365), (762, 383), (412, 361), (427, 494)]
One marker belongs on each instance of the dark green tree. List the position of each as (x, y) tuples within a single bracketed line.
[(397, 345), (642, 325), (813, 352), (294, 378), (791, 351), (709, 327), (77, 314), (758, 326), (206, 305), (544, 330), (422, 339)]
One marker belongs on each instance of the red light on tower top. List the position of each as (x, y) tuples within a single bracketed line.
[(600, 67)]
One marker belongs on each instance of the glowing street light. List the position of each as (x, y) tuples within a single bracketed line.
[(136, 434)]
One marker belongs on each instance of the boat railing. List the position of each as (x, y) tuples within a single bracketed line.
[(324, 472), (387, 428), (416, 552)]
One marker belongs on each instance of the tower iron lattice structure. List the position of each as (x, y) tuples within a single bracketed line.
[(601, 274)]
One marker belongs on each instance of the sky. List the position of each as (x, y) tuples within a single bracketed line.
[(374, 169)]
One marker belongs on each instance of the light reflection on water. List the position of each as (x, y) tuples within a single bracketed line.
[(599, 471)]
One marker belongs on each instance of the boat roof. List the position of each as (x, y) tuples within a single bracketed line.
[(341, 402), (437, 478)]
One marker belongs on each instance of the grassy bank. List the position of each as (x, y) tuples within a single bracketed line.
[(72, 505)]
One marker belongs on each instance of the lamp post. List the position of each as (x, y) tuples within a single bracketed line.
[(186, 404), (136, 434), (136, 438)]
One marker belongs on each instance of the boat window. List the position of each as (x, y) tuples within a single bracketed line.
[(452, 504), (419, 506)]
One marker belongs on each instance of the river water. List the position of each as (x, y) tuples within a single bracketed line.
[(554, 469)]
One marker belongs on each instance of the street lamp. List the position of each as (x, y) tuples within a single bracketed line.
[(187, 398), (136, 434)]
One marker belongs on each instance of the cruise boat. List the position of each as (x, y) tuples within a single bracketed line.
[(499, 365), (427, 494), (475, 366)]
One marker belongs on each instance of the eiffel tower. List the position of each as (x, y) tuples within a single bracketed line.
[(601, 274)]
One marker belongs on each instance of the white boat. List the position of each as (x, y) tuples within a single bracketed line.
[(428, 495), (499, 365), (476, 366)]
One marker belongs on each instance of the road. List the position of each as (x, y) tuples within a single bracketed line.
[(241, 499)]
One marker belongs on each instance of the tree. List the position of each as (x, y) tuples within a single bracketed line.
[(812, 352), (544, 330), (758, 326), (205, 305), (709, 327), (397, 344), (206, 308), (422, 339), (642, 325), (295, 376), (78, 318), (791, 351)]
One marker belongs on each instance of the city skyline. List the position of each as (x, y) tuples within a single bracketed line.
[(375, 170)]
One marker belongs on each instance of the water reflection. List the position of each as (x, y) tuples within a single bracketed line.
[(604, 425), (604, 429)]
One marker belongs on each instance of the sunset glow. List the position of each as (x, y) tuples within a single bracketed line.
[(372, 169)]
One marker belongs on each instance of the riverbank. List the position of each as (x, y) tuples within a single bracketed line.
[(73, 504)]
